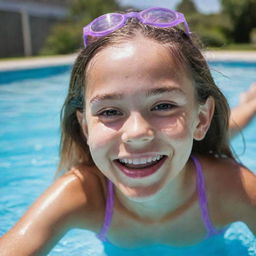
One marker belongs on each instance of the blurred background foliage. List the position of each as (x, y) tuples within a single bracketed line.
[(213, 29), (66, 37), (242, 16), (234, 24)]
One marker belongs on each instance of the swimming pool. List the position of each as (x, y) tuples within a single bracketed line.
[(29, 136)]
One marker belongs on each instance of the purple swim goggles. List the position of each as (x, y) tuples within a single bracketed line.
[(158, 17)]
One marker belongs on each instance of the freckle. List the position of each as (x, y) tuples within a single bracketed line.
[(126, 77)]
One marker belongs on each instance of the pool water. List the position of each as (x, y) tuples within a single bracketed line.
[(29, 136)]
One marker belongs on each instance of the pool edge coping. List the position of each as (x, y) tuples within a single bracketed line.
[(47, 61), (37, 62), (231, 56)]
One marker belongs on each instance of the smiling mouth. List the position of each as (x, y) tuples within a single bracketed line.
[(140, 169)]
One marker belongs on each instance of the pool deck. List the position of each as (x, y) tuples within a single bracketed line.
[(37, 62)]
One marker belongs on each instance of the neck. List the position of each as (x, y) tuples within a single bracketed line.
[(171, 201)]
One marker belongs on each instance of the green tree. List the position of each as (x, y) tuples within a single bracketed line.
[(210, 28), (66, 37), (242, 15), (90, 9), (187, 7)]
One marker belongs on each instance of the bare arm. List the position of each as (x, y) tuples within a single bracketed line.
[(239, 197), (48, 219), (249, 203), (240, 117), (244, 112)]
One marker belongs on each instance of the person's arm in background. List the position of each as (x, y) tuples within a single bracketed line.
[(244, 112)]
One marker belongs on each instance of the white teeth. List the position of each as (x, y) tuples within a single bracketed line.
[(141, 160), (135, 161), (149, 160)]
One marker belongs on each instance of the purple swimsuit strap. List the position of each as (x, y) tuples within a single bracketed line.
[(108, 212), (203, 203)]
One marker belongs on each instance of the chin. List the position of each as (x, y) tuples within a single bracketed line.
[(141, 193)]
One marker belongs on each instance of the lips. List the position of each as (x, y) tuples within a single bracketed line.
[(140, 170)]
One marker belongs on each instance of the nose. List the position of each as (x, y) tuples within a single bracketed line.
[(137, 130)]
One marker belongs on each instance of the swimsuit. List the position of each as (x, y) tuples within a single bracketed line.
[(203, 203)]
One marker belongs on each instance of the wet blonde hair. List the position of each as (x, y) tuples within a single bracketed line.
[(73, 145)]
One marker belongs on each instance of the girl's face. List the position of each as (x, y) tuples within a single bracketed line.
[(141, 116)]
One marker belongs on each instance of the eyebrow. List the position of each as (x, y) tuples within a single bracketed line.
[(149, 93)]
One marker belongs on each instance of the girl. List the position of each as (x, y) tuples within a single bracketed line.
[(145, 140)]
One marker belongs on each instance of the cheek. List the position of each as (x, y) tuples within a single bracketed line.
[(99, 136), (177, 127), (99, 142)]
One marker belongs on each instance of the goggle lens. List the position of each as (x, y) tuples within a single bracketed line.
[(106, 22), (159, 16)]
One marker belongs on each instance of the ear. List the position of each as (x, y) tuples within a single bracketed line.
[(82, 121), (205, 115)]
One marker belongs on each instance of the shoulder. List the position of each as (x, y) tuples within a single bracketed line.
[(72, 201), (73, 197), (232, 191), (82, 191), (242, 197)]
